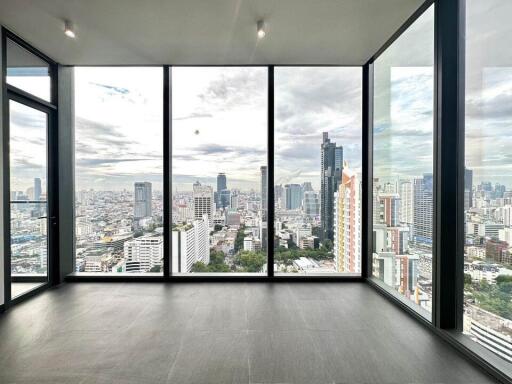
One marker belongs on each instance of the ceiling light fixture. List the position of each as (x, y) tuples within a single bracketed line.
[(260, 28), (69, 31)]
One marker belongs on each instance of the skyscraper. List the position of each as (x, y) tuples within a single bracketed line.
[(203, 202), (422, 224), (311, 204), (347, 224), (293, 196), (224, 197), (37, 189), (330, 177), (468, 188), (406, 202), (389, 206), (278, 195), (221, 185), (190, 244), (143, 200), (264, 185), (264, 207)]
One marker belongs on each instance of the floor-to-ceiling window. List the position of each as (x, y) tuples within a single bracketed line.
[(317, 177), (488, 176), (30, 110), (219, 170), (118, 169), (403, 164)]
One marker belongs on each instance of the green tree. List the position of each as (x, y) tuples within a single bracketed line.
[(327, 245), (199, 266), (467, 279), (217, 257), (239, 240), (251, 261)]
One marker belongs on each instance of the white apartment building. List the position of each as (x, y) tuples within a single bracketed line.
[(144, 253), (190, 244)]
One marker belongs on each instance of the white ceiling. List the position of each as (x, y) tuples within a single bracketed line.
[(148, 32)]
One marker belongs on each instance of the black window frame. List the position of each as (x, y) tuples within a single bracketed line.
[(50, 108)]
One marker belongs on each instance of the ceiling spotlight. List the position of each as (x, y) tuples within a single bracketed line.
[(69, 30), (260, 28)]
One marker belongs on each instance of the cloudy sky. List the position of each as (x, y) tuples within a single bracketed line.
[(27, 147), (118, 127), (219, 125), (309, 101), (220, 116)]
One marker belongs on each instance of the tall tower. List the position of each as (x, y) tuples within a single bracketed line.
[(293, 196), (468, 188), (143, 200), (203, 202), (406, 202), (37, 189), (422, 221), (347, 224), (222, 184), (264, 206), (330, 177), (264, 186)]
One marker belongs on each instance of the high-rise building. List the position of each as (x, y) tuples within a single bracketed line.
[(468, 188), (203, 202), (234, 200), (143, 200), (144, 253), (279, 195), (190, 244), (330, 177), (307, 186), (347, 223), (422, 221), (222, 184), (398, 239), (293, 194), (224, 197), (311, 204), (406, 203), (264, 207), (37, 189), (389, 209), (264, 188)]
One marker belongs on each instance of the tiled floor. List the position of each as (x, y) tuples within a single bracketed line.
[(221, 333)]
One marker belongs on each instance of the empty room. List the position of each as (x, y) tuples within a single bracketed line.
[(255, 191)]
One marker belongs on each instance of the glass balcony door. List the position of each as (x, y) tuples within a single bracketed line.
[(28, 193)]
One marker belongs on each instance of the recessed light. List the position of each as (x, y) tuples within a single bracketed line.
[(69, 30), (260, 28)]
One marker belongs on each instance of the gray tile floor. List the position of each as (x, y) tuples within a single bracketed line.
[(221, 333)]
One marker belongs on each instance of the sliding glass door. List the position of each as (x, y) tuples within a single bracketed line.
[(28, 197), (29, 173)]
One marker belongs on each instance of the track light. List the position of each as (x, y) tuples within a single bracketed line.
[(69, 30), (260, 28)]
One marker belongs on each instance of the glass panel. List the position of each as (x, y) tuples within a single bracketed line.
[(403, 164), (27, 71), (28, 195), (219, 173), (488, 184), (118, 168), (318, 170)]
